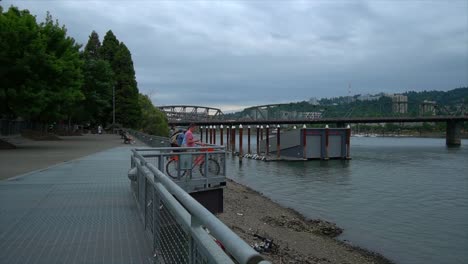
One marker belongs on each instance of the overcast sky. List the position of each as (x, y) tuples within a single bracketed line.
[(232, 54)]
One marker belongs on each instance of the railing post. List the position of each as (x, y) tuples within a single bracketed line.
[(161, 163), (156, 218), (145, 211)]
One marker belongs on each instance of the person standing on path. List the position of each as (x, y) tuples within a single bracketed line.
[(189, 141)]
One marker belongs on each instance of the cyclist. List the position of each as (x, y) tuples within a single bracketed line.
[(189, 140)]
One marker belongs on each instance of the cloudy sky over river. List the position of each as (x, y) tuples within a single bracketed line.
[(231, 54)]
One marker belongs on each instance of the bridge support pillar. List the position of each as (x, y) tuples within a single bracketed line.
[(452, 137)]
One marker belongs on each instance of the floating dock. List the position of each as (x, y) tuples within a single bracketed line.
[(306, 144)]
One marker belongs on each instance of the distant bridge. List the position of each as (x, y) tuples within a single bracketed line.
[(191, 113), (263, 111), (350, 120), (454, 123)]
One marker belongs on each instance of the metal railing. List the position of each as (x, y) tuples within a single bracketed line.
[(150, 140), (192, 168), (181, 229), (15, 127)]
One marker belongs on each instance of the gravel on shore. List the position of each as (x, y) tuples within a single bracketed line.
[(258, 220)]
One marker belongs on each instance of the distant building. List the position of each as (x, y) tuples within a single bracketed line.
[(427, 108), (349, 99), (311, 115), (399, 104), (368, 97), (313, 101), (299, 115)]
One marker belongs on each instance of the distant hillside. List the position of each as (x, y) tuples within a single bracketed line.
[(451, 100), (381, 105)]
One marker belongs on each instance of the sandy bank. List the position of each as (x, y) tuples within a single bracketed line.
[(254, 217)]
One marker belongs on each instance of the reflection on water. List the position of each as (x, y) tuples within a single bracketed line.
[(406, 198)]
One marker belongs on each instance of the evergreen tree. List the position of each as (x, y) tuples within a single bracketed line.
[(91, 50), (97, 85), (127, 109), (110, 46)]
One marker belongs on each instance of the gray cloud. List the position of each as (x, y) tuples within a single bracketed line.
[(232, 54)]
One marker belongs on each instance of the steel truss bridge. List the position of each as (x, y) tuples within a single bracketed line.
[(355, 120), (272, 114), (191, 113)]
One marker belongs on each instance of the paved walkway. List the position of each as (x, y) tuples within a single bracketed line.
[(81, 211), (32, 155)]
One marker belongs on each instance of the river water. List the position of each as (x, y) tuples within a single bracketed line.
[(406, 198)]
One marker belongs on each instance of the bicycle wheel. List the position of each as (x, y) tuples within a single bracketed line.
[(172, 168), (213, 167)]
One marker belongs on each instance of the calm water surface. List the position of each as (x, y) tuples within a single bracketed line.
[(406, 198)]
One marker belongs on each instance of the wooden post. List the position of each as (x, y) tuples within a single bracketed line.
[(240, 142), (267, 137), (228, 134), (201, 133), (206, 134), (348, 141), (327, 132), (278, 142), (233, 139), (258, 140), (211, 134), (221, 135), (304, 141), (214, 135), (261, 132), (248, 139)]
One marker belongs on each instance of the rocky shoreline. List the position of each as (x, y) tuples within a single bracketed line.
[(282, 235)]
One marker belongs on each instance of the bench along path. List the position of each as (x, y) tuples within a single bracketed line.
[(81, 211)]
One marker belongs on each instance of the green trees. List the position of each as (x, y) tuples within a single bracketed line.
[(44, 77), (97, 86), (40, 68), (152, 120), (127, 109)]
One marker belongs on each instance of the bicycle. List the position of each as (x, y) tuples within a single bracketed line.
[(172, 166)]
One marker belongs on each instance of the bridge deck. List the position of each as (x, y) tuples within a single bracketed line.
[(81, 211)]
